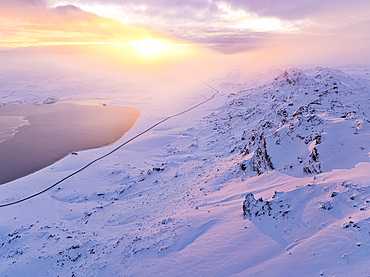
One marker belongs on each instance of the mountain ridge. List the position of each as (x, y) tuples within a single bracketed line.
[(268, 180)]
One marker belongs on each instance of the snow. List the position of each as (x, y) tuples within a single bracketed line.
[(9, 126), (173, 201)]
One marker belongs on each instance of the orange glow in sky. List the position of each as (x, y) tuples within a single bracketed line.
[(82, 29), (145, 33)]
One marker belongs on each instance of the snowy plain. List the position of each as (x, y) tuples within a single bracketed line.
[(269, 178)]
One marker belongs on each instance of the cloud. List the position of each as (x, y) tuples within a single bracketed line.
[(187, 12), (32, 23), (223, 40), (285, 9), (209, 9), (22, 6), (227, 26), (70, 11), (168, 11)]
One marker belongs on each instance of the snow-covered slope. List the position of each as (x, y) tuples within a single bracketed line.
[(301, 123), (271, 178)]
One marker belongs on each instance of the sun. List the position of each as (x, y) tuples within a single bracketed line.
[(148, 47)]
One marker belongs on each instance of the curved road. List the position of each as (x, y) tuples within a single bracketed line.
[(114, 150)]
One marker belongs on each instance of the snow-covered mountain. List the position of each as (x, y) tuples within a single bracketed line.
[(269, 178), (302, 123)]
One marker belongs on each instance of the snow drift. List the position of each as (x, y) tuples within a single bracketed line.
[(271, 178)]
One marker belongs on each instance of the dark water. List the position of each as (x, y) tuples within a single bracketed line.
[(49, 132)]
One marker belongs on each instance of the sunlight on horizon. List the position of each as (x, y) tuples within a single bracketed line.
[(118, 35), (148, 47), (154, 47), (93, 35)]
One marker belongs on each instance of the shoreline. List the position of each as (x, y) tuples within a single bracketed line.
[(53, 131), (9, 126)]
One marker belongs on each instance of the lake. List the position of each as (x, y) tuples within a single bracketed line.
[(34, 136)]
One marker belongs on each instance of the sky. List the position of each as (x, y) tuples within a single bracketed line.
[(274, 29)]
